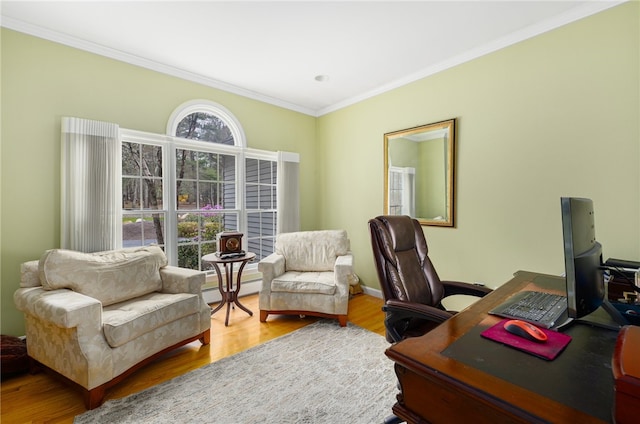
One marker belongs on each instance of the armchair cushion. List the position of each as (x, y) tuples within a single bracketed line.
[(29, 274), (312, 250), (130, 319), (305, 282), (110, 277)]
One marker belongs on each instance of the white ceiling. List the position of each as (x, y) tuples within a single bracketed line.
[(271, 51)]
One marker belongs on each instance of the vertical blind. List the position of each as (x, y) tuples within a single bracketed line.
[(90, 172), (288, 219)]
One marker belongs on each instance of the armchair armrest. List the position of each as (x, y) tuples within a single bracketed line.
[(63, 307), (457, 287), (271, 267), (343, 269), (181, 280), (399, 313)]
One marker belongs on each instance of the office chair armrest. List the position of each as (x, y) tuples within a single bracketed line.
[(399, 314), (416, 310), (458, 287)]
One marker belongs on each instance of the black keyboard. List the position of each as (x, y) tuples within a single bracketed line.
[(539, 308)]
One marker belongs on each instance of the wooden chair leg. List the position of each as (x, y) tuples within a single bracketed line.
[(95, 397), (342, 319), (34, 366), (263, 315), (206, 337)]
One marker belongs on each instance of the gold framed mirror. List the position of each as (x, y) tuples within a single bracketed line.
[(419, 173)]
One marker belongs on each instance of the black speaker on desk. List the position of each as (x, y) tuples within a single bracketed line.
[(622, 278), (622, 290)]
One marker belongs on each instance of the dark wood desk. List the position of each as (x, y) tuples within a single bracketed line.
[(452, 374)]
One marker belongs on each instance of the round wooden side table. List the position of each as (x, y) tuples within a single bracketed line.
[(230, 293)]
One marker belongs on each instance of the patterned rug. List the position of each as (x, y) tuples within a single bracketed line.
[(321, 373)]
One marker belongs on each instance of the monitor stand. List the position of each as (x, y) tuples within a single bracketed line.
[(606, 316)]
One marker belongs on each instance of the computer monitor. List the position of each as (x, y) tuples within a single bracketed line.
[(582, 257), (583, 261)]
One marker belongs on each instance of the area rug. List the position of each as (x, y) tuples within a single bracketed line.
[(321, 373)]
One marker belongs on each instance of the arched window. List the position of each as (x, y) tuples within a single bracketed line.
[(205, 120)]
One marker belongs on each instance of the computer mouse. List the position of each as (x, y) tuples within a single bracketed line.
[(525, 330)]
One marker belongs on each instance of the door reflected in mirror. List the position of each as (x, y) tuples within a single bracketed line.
[(419, 173)]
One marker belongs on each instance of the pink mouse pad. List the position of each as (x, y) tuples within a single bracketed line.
[(549, 350)]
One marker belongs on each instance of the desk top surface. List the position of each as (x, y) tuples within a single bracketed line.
[(579, 382)]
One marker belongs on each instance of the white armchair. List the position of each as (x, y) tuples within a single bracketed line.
[(94, 318), (308, 274)]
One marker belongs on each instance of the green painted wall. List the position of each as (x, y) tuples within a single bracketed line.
[(44, 81), (555, 115), (551, 116)]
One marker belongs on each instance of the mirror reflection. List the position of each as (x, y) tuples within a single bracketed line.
[(419, 173)]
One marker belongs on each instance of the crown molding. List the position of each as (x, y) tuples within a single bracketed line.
[(587, 9), (583, 11), (57, 37)]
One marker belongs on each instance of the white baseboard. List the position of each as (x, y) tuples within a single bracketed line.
[(372, 292)]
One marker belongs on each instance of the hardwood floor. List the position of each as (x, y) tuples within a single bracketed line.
[(41, 398)]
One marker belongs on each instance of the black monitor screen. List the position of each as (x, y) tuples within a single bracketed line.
[(582, 257)]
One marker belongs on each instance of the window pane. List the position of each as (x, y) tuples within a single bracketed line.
[(130, 193), (229, 195), (203, 200), (260, 198), (265, 172), (208, 166), (143, 230), (205, 127), (152, 160), (265, 197), (207, 248), (228, 168), (152, 194), (187, 227), (208, 195), (198, 231), (155, 234), (252, 171), (230, 221), (130, 159), (189, 256), (186, 164), (186, 191), (252, 196), (142, 191), (261, 233), (210, 230)]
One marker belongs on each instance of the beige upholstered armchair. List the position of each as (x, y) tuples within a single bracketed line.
[(96, 317), (308, 274)]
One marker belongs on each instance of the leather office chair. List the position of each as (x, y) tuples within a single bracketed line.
[(410, 285)]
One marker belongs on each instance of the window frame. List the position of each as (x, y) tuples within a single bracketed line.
[(171, 144)]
